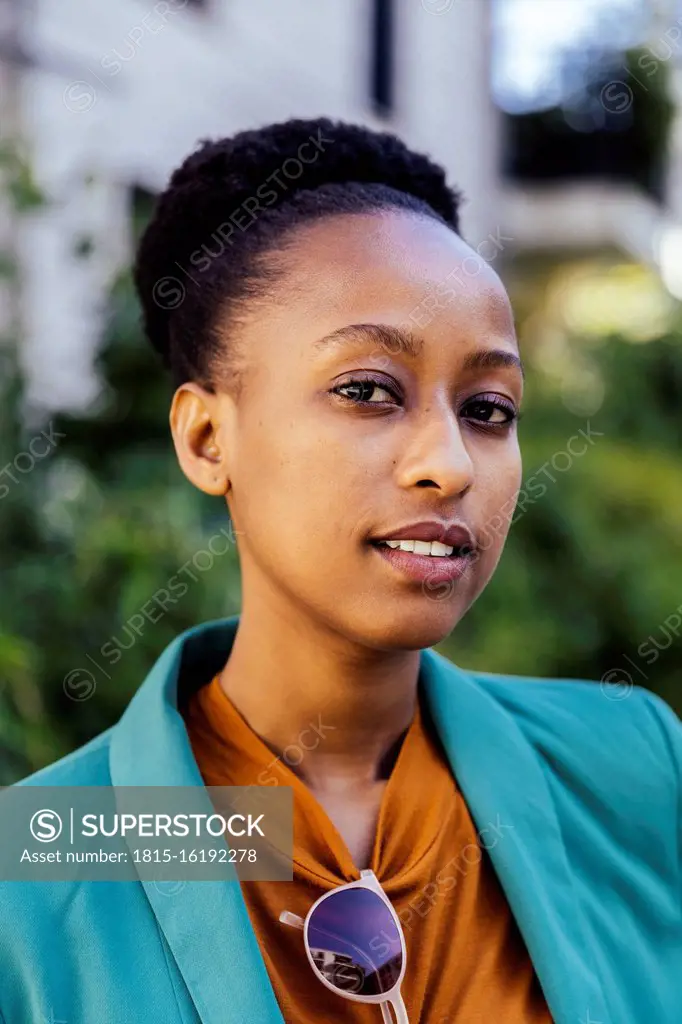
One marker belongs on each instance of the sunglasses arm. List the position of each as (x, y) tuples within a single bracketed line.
[(293, 920), (398, 1009)]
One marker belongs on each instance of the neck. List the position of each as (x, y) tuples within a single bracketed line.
[(334, 711)]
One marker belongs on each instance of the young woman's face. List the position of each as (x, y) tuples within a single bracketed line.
[(337, 443)]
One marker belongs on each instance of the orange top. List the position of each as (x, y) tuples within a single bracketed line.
[(466, 959)]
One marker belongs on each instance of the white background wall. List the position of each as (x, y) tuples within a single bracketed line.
[(137, 84)]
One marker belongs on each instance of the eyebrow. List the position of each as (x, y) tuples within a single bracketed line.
[(400, 340)]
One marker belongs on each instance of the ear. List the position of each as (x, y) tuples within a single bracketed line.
[(195, 427)]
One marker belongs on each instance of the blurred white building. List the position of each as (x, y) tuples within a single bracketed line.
[(110, 96), (122, 92)]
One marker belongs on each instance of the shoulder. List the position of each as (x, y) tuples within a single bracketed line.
[(575, 706), (33, 912), (615, 717), (601, 719), (88, 765), (610, 744)]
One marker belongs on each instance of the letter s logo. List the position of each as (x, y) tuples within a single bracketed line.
[(46, 826)]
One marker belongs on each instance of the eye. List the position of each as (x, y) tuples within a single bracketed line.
[(361, 389), (490, 411)]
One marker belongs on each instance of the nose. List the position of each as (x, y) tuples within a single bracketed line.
[(436, 455)]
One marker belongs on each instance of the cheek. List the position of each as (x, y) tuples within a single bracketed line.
[(297, 490), (498, 489)]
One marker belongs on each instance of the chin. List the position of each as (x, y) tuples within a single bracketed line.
[(412, 627)]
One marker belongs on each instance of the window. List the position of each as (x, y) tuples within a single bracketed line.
[(582, 93), (381, 71)]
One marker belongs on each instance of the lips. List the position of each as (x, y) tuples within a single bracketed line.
[(434, 569), (455, 535), (431, 571)]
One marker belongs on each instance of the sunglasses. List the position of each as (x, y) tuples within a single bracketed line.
[(355, 944)]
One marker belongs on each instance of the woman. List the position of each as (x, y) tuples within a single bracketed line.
[(347, 376)]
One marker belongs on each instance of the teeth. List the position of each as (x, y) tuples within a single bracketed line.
[(421, 547)]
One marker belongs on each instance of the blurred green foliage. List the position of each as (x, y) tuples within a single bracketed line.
[(88, 535), (590, 581), (103, 520)]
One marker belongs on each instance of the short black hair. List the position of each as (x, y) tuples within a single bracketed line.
[(197, 261)]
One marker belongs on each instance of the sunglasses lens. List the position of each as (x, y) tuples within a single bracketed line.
[(355, 943)]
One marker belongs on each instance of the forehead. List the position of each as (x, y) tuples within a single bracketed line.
[(390, 267)]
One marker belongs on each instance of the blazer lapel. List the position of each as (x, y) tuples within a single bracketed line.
[(504, 786), (206, 924)]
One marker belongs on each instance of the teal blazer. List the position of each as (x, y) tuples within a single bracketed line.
[(591, 867)]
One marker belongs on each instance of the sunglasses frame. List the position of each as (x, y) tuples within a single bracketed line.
[(368, 880)]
